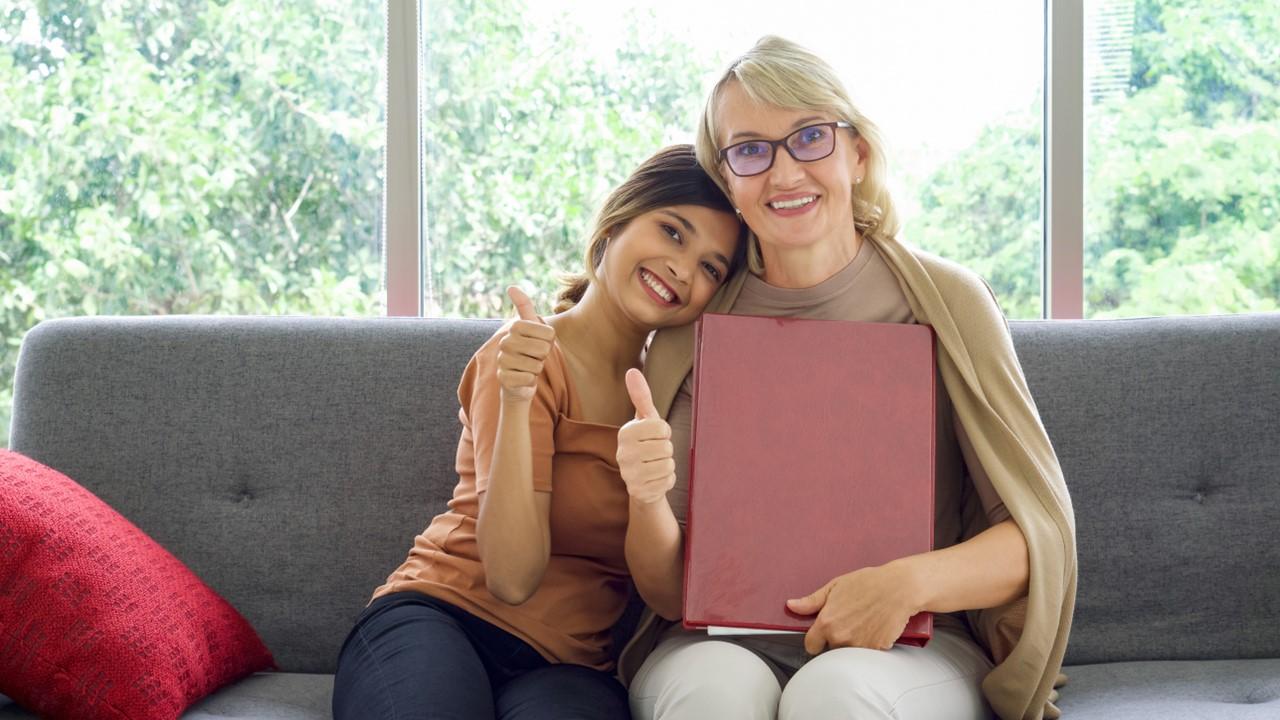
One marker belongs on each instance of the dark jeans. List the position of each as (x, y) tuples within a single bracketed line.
[(411, 656)]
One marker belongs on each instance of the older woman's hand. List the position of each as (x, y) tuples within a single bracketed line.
[(865, 608)]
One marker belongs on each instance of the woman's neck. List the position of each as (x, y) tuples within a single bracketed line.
[(804, 267), (597, 335)]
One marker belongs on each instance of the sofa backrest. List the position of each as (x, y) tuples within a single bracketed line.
[(290, 461), (1166, 429)]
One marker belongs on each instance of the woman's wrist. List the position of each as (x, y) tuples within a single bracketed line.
[(913, 579), (658, 508), (514, 402)]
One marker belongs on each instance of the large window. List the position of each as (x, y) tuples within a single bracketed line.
[(532, 111), (227, 156), (1182, 198), (187, 157)]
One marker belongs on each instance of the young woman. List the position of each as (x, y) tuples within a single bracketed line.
[(504, 606), (806, 171)]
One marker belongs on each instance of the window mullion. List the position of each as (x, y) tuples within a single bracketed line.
[(1064, 160), (401, 192)]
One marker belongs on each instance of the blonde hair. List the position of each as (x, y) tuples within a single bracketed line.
[(779, 72), (670, 177)]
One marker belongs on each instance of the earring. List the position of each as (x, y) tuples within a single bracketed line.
[(857, 181), (739, 211)]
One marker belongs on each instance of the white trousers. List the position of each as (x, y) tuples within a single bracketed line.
[(691, 676)]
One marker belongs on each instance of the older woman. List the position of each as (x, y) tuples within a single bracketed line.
[(806, 171)]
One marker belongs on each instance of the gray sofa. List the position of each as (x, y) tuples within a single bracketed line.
[(290, 461)]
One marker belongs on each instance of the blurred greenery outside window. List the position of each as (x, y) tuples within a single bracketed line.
[(225, 156), (187, 156), (532, 112), (528, 122), (1182, 153)]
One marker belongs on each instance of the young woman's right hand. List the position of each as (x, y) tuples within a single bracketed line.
[(522, 352), (646, 457)]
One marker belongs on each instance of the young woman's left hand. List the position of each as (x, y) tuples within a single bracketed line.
[(865, 608), (645, 453)]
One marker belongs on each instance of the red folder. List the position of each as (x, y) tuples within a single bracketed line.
[(812, 455)]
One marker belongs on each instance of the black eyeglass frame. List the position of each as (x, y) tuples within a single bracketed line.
[(773, 147)]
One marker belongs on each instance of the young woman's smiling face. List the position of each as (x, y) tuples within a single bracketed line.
[(793, 204), (662, 267)]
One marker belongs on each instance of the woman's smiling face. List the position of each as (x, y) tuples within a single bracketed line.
[(663, 266), (793, 204)]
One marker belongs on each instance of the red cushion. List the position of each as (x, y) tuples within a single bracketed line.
[(96, 619)]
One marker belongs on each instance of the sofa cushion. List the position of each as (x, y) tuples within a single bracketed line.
[(1173, 690), (96, 619), (1166, 431), (270, 696)]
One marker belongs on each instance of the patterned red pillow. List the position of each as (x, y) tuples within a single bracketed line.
[(96, 619)]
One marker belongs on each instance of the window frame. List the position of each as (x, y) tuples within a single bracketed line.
[(403, 257)]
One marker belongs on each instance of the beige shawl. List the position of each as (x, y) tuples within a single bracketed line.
[(1027, 638)]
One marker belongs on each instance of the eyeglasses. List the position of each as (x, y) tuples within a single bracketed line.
[(809, 143)]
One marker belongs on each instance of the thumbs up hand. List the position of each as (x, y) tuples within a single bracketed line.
[(522, 352), (645, 453)]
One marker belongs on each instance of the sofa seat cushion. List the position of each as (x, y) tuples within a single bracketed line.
[(264, 696), (1173, 690), (270, 696)]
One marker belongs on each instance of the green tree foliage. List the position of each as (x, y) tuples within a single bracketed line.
[(224, 156), (186, 157), (1182, 176), (982, 209), (1183, 202), (526, 133)]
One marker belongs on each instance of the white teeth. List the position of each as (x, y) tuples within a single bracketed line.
[(790, 204), (658, 287)]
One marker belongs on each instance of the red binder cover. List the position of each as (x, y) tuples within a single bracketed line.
[(812, 455)]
